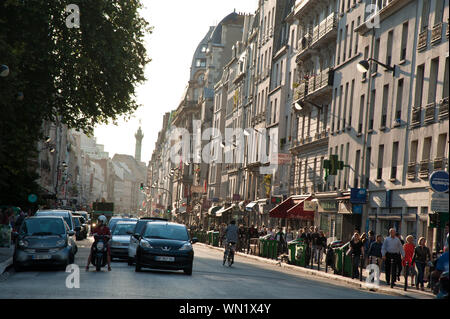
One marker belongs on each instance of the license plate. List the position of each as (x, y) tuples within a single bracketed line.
[(164, 258), (40, 257)]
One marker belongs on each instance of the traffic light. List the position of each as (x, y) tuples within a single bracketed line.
[(276, 199), (142, 186), (169, 210)]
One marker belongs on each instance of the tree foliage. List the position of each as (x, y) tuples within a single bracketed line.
[(86, 75)]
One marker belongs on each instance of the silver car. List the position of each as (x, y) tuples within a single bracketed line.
[(121, 238)]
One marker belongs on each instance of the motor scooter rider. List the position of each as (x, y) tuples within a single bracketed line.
[(102, 230)]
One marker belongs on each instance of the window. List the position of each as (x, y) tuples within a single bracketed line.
[(413, 152), (366, 56), (419, 85), (389, 47), (361, 114), (275, 111), (357, 159), (434, 72), (346, 172), (344, 115), (376, 55), (442, 142), (203, 50), (357, 36), (385, 105), (351, 40), (372, 108), (345, 43), (426, 153), (351, 103), (394, 160), (398, 106), (425, 14), (367, 169), (404, 41), (333, 115), (339, 47), (339, 108), (380, 162), (446, 78), (200, 63)]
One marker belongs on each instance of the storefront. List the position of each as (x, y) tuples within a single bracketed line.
[(351, 217), (297, 211), (329, 219)]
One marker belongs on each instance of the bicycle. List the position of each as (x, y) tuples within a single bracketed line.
[(228, 255)]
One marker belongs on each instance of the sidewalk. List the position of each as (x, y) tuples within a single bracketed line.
[(383, 288), (6, 258)]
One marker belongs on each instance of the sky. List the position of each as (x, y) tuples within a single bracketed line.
[(178, 27)]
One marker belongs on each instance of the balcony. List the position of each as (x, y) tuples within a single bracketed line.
[(430, 113), (416, 116), (411, 174), (439, 163), (303, 46), (300, 91), (311, 82), (423, 38), (424, 169), (443, 108), (436, 33)]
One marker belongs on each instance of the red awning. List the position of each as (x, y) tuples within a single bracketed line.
[(282, 210), (298, 212)]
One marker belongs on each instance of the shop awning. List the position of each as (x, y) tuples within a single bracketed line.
[(389, 217), (281, 211), (250, 206), (213, 210), (298, 211), (223, 210)]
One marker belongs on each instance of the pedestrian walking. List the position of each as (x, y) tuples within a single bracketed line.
[(279, 237), (367, 243), (409, 249), (289, 235), (315, 244), (399, 262), (392, 251), (322, 245), (357, 252), (374, 252), (299, 234), (421, 257)]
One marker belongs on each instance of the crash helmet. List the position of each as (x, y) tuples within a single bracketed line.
[(102, 219)]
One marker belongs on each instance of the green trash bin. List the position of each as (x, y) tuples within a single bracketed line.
[(216, 239), (343, 267), (300, 254), (263, 251), (209, 236), (272, 249), (291, 250)]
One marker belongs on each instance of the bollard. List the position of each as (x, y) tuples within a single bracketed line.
[(326, 257), (361, 262), (343, 262), (353, 266), (406, 275), (318, 260), (393, 272)]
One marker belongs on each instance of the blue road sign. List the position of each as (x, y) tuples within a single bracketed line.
[(439, 181)]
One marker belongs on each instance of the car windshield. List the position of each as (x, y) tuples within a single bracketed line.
[(122, 229), (166, 232), (63, 215), (43, 227)]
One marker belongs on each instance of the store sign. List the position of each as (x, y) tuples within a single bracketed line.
[(309, 205), (328, 205), (439, 181), (358, 195)]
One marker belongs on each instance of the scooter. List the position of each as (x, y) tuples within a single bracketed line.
[(443, 286), (100, 253)]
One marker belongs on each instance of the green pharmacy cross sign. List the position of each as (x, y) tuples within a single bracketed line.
[(332, 166)]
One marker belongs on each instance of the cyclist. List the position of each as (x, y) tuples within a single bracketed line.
[(231, 236)]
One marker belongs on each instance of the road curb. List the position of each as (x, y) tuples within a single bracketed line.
[(306, 271)]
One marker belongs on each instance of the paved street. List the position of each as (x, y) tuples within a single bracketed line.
[(246, 279)]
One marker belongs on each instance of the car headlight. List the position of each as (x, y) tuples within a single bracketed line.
[(145, 244), (186, 246), (61, 243), (23, 243), (100, 245)]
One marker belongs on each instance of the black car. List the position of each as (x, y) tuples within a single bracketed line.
[(43, 240), (165, 245), (81, 226), (138, 231)]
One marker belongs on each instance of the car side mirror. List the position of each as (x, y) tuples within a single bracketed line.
[(137, 236), (194, 240), (129, 232), (71, 233)]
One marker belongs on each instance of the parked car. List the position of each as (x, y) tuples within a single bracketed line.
[(43, 240), (114, 220), (121, 238), (86, 217), (68, 218), (165, 245), (138, 229), (82, 233)]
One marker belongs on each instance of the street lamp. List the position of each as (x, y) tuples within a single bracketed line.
[(363, 66), (300, 105)]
